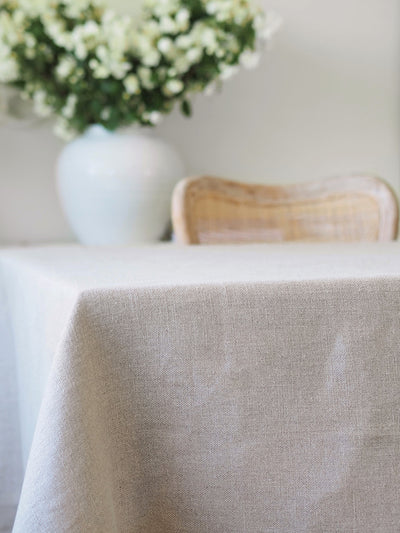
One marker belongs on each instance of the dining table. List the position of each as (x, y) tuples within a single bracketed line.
[(162, 388)]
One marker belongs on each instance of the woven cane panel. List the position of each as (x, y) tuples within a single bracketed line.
[(219, 219)]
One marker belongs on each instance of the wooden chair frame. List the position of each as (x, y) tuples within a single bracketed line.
[(189, 190)]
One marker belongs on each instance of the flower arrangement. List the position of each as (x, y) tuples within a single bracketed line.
[(89, 65)]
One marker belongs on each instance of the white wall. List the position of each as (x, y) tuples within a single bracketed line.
[(324, 101)]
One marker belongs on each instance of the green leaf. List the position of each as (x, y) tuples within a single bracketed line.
[(186, 108)]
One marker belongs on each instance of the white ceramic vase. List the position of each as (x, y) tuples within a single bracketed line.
[(115, 187)]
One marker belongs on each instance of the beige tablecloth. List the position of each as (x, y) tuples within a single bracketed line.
[(243, 389)]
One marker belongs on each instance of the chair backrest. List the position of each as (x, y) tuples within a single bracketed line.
[(209, 210)]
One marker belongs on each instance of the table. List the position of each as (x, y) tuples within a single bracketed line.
[(213, 389)]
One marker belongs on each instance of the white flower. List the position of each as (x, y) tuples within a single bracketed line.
[(101, 72), (249, 59), (145, 77), (151, 29), (10, 33), (74, 8), (210, 89), (40, 105), (131, 84), (34, 8), (9, 69), (227, 71), (211, 8), (68, 110), (108, 17), (182, 19), (165, 45), (18, 17), (54, 29), (173, 87), (208, 39), (30, 40), (106, 113), (168, 49), (65, 67), (241, 15), (184, 41), (222, 16), (81, 51), (167, 25), (182, 64), (30, 53), (90, 29), (231, 45), (142, 42), (194, 55), (102, 53), (151, 58), (154, 117), (162, 7), (63, 130)]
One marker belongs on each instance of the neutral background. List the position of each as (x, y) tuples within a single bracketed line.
[(324, 101)]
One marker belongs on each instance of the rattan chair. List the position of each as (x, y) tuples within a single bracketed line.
[(209, 210)]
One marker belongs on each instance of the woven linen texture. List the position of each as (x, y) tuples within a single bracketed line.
[(237, 407)]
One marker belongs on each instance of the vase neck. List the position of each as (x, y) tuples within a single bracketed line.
[(97, 130)]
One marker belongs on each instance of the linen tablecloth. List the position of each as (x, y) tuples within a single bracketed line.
[(166, 389)]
